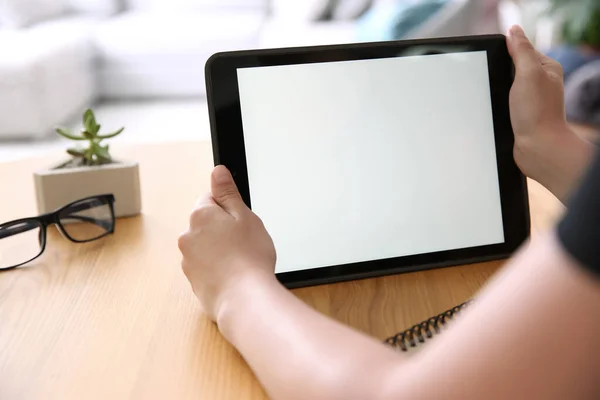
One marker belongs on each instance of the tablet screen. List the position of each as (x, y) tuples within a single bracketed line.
[(363, 160)]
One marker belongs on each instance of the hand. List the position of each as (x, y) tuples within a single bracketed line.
[(226, 245), (546, 149)]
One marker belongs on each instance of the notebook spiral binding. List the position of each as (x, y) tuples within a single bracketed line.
[(425, 330)]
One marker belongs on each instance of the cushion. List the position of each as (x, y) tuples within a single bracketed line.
[(19, 60), (46, 70), (389, 20), (305, 10), (350, 9), (137, 59), (582, 94), (194, 5), (94, 7), (23, 13), (281, 33), (136, 35), (75, 26)]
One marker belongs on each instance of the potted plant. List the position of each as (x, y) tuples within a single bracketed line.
[(90, 171)]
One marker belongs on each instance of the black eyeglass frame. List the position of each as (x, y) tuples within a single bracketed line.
[(53, 218)]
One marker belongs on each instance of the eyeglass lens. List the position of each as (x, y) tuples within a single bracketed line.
[(87, 219), (20, 242)]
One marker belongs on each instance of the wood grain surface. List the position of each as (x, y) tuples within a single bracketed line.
[(116, 319)]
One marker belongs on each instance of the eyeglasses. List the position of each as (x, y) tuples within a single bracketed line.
[(85, 220)]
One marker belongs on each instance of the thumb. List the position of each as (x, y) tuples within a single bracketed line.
[(224, 191), (522, 51)]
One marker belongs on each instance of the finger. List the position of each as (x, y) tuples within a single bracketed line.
[(224, 191), (544, 59), (205, 200), (551, 65), (522, 51), (206, 209)]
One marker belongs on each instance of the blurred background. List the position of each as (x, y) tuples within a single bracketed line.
[(140, 63)]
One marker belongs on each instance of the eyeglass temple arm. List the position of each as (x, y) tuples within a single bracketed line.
[(16, 229), (25, 227)]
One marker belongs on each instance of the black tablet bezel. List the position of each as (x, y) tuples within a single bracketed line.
[(228, 145)]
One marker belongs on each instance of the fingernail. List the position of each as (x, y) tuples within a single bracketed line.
[(517, 31), (222, 175)]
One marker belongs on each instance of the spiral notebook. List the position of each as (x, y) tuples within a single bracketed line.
[(415, 338)]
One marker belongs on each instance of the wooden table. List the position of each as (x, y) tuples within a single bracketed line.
[(116, 319)]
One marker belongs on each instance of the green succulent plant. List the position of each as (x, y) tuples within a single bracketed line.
[(95, 153), (581, 18)]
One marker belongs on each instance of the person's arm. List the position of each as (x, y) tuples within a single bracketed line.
[(298, 353), (532, 333), (546, 148)]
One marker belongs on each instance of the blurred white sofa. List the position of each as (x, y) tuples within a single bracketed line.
[(158, 48), (58, 56), (46, 75), (458, 17)]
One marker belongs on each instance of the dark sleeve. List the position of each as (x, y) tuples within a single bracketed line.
[(579, 231)]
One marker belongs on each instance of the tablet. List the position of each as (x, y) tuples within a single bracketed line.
[(371, 159)]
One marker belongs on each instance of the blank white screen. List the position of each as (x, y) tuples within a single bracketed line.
[(363, 160)]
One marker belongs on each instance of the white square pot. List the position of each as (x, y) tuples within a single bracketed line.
[(56, 188)]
